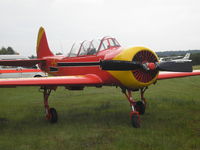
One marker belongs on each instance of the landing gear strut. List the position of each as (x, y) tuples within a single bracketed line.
[(51, 113), (137, 107), (141, 105)]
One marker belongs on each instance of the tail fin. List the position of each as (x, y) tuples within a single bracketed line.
[(42, 48), (187, 56)]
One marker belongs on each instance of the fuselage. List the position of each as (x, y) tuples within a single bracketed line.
[(108, 54), (134, 79)]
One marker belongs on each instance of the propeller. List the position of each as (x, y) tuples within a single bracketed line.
[(119, 65), (175, 66)]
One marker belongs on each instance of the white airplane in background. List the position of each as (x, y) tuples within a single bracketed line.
[(17, 71), (177, 58)]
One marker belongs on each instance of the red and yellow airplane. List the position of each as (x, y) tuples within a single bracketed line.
[(98, 63)]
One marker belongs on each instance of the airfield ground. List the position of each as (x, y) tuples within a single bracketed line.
[(196, 67), (99, 119)]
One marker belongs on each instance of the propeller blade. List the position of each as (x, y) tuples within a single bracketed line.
[(120, 65), (175, 66)]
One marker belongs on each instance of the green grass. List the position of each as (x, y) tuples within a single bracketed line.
[(99, 119), (196, 67)]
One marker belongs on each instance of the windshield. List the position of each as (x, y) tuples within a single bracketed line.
[(74, 50), (85, 46), (89, 47), (108, 43)]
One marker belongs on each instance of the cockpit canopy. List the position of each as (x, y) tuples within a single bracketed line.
[(93, 47)]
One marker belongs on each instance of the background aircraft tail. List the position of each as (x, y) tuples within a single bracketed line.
[(42, 48), (187, 56)]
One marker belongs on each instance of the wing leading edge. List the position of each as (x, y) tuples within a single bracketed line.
[(170, 75), (83, 80)]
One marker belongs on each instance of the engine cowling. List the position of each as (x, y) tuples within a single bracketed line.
[(138, 78)]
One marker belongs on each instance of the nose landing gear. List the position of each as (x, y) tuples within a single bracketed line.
[(140, 107), (137, 107), (135, 119)]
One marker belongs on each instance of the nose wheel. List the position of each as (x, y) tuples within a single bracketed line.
[(137, 107), (135, 119), (140, 107)]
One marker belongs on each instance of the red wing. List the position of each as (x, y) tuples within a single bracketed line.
[(89, 79), (26, 62), (169, 75)]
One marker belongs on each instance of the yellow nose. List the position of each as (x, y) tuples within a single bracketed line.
[(137, 78)]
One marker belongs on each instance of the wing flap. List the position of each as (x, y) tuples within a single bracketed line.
[(170, 75), (84, 80)]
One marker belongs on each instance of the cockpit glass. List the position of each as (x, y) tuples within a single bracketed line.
[(92, 47), (111, 41), (84, 48), (89, 47), (96, 43), (74, 50), (116, 42), (108, 43)]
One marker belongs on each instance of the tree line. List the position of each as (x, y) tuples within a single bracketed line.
[(195, 59), (176, 53), (8, 51)]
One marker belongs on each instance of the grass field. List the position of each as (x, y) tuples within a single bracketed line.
[(99, 119), (196, 67)]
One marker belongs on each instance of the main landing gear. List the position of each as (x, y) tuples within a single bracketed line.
[(51, 113), (137, 107)]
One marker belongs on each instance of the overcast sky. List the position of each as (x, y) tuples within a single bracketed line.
[(156, 24)]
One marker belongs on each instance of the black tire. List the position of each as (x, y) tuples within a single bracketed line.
[(54, 115), (140, 107), (37, 76), (135, 120)]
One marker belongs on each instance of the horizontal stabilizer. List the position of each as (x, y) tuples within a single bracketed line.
[(22, 63)]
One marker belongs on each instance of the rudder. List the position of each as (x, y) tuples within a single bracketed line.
[(42, 48)]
